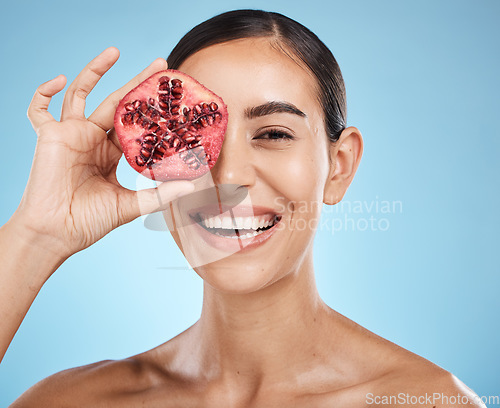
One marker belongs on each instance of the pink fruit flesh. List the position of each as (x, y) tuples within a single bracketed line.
[(171, 127)]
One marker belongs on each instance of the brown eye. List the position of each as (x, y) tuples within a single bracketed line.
[(275, 135)]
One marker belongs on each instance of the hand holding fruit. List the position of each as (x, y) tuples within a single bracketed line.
[(73, 198)]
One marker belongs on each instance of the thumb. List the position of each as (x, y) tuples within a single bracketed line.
[(147, 201)]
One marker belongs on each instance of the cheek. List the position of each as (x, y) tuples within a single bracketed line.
[(298, 176)]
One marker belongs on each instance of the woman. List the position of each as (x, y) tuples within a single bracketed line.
[(265, 338)]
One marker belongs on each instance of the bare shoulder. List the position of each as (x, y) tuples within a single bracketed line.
[(421, 384), (93, 385), (391, 376)]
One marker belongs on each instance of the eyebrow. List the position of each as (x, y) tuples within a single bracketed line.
[(269, 108)]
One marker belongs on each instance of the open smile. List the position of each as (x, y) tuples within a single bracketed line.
[(232, 229), (227, 226)]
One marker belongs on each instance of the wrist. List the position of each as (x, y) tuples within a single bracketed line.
[(40, 254)]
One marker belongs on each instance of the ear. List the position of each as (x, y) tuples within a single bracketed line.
[(345, 155)]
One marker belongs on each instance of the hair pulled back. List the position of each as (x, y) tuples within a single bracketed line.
[(292, 37)]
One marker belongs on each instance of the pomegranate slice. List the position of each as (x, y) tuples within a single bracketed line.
[(171, 127)]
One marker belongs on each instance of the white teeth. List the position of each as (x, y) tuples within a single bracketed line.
[(248, 223), (242, 236), (217, 222), (240, 223), (255, 223), (227, 223)]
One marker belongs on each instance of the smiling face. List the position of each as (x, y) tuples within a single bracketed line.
[(276, 150)]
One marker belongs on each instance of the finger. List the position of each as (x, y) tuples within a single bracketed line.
[(74, 101), (104, 114), (136, 203), (37, 110)]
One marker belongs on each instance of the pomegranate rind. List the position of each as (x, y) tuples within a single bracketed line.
[(172, 165)]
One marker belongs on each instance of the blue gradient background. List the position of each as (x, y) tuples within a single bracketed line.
[(423, 87)]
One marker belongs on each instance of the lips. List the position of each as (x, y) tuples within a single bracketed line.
[(235, 228)]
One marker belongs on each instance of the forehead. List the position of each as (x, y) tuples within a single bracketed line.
[(249, 72)]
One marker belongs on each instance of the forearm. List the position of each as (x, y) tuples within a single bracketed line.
[(25, 265)]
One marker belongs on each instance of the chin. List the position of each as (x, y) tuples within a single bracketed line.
[(235, 278)]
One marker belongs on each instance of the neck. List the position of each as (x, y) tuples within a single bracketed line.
[(259, 335)]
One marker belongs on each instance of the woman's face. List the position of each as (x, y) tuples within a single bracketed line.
[(274, 155)]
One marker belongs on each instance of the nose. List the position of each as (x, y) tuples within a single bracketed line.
[(234, 165)]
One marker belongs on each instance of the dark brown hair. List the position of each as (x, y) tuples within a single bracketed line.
[(290, 36)]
